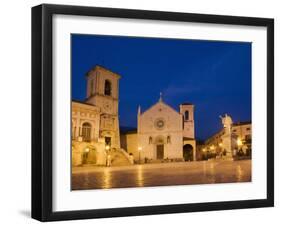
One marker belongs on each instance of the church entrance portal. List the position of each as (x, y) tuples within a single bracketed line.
[(160, 151), (188, 152)]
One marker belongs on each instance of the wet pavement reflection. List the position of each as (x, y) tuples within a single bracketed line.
[(183, 173)]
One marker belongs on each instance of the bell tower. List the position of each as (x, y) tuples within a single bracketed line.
[(187, 111), (103, 92)]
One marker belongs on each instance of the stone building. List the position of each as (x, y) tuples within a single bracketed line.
[(162, 134), (242, 131), (95, 122)]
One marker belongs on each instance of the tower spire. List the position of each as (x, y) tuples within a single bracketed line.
[(139, 110), (160, 98)]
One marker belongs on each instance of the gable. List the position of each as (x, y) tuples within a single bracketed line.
[(159, 108)]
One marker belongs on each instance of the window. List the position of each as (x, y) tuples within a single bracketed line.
[(186, 115), (150, 140), (107, 88), (73, 132), (86, 131), (168, 139), (92, 86), (248, 129)]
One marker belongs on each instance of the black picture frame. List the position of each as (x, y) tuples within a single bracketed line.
[(42, 111)]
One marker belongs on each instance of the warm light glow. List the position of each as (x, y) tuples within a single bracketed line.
[(87, 150), (107, 178), (212, 147), (220, 144), (239, 142), (204, 149), (107, 147), (140, 179), (139, 148), (239, 173)]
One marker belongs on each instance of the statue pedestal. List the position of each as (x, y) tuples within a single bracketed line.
[(228, 144)]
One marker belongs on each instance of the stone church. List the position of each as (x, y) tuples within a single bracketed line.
[(162, 134)]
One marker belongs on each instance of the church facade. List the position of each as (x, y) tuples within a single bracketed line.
[(162, 134)]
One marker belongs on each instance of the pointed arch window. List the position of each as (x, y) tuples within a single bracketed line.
[(107, 88)]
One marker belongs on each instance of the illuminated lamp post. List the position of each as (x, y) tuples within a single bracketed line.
[(239, 144)]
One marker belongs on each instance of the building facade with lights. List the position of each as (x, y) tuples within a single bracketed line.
[(162, 134), (95, 122), (242, 131)]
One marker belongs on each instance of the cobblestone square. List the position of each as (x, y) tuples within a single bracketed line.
[(161, 174)]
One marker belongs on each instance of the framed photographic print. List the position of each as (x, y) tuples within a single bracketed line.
[(145, 112)]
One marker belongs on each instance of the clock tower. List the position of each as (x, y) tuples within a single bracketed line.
[(103, 92)]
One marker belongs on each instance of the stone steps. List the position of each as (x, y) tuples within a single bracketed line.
[(119, 158)]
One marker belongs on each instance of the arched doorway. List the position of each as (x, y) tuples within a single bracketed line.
[(89, 156), (188, 152)]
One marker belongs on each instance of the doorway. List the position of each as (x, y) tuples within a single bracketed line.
[(188, 152), (160, 151), (107, 141)]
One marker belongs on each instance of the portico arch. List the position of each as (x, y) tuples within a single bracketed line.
[(191, 145), (89, 155)]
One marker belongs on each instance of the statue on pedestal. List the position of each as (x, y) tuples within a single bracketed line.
[(227, 123), (227, 138)]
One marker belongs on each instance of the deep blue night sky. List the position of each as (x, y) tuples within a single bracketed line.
[(214, 75)]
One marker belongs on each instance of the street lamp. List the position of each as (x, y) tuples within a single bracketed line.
[(139, 149), (239, 142), (87, 150)]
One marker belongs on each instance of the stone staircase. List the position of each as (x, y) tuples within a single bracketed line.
[(119, 157)]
